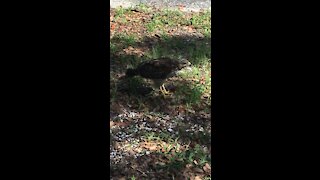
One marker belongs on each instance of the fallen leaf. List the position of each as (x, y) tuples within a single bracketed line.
[(181, 7), (111, 124), (161, 163), (150, 146), (207, 168), (198, 170)]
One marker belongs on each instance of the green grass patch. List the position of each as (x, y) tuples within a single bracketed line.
[(173, 151), (177, 160), (166, 18), (202, 21), (124, 39), (121, 12), (143, 8)]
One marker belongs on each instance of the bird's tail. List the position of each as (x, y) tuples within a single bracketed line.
[(131, 72)]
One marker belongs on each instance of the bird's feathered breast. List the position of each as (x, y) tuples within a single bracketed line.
[(161, 68), (158, 69)]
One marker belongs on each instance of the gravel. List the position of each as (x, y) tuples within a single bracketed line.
[(188, 5)]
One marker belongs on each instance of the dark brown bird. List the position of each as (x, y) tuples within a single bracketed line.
[(158, 70)]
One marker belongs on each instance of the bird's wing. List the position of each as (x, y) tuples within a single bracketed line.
[(156, 69)]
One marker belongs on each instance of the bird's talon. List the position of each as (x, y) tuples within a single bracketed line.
[(164, 91)]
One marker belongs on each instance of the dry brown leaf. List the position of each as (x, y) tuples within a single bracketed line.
[(161, 163), (191, 111), (111, 124), (181, 7), (150, 146), (198, 170), (207, 168), (148, 116), (116, 145), (188, 166)]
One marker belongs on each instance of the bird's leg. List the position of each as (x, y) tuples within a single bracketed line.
[(164, 90)]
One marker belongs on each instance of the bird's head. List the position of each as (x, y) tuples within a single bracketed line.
[(184, 63)]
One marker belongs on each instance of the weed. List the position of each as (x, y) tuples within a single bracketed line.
[(121, 12), (202, 21), (142, 8), (124, 39), (166, 18), (113, 48)]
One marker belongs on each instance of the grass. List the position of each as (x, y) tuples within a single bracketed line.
[(166, 18), (142, 33), (202, 21), (177, 156)]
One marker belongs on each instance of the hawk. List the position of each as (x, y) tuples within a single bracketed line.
[(158, 70)]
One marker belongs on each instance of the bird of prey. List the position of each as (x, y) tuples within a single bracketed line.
[(158, 70)]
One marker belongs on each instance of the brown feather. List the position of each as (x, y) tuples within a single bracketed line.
[(158, 70)]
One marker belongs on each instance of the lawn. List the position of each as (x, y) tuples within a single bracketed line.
[(154, 136)]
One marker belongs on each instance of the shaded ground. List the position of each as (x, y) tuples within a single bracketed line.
[(152, 136)]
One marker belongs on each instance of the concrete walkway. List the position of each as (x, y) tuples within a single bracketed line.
[(188, 5)]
